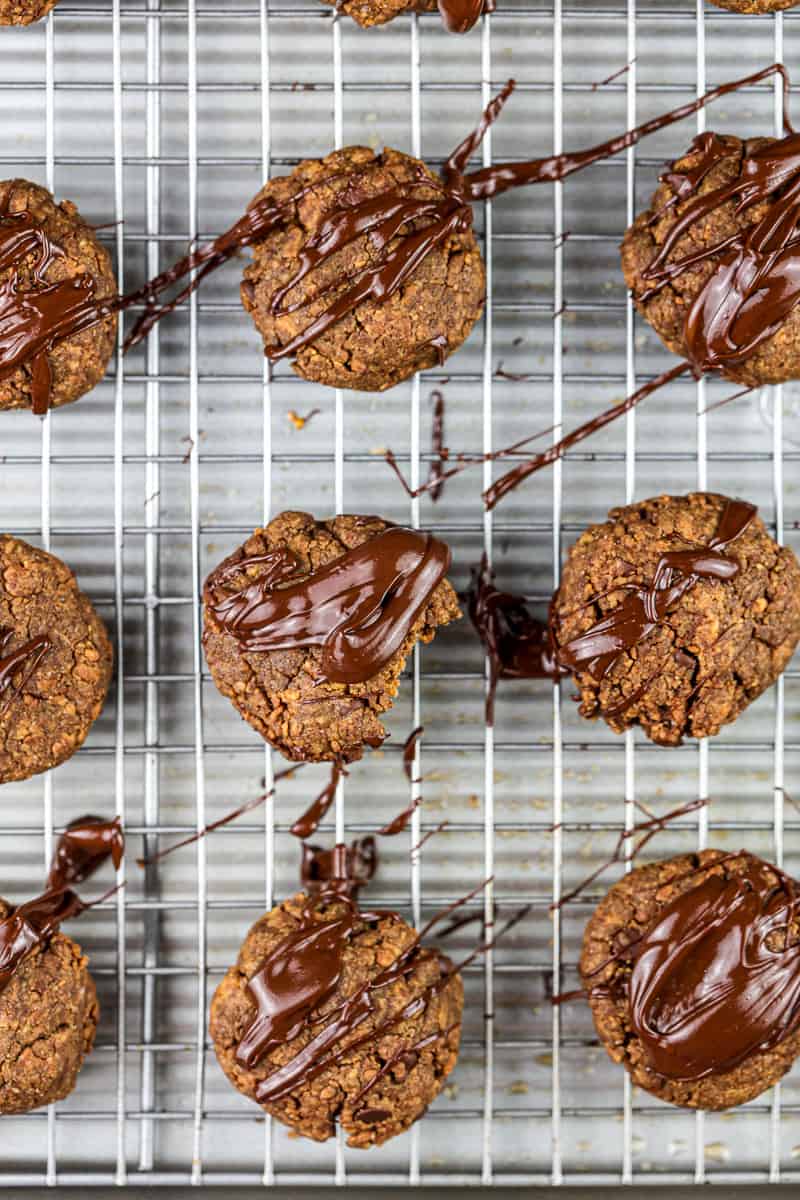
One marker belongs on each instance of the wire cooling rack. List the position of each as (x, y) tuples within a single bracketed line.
[(163, 118)]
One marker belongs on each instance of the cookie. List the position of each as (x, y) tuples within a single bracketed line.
[(48, 1018), (755, 6), (295, 287), (675, 614), (55, 661), (314, 681), (709, 263), (52, 264), (365, 1034), (24, 12), (693, 977)]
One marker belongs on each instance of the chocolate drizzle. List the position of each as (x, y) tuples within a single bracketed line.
[(307, 824), (435, 480), (343, 870), (82, 848), (358, 609), (716, 977), (645, 606), (755, 282), (405, 224), (18, 664), (518, 646)]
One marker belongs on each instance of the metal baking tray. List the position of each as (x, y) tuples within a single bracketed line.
[(164, 116)]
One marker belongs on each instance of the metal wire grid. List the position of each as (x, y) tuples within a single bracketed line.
[(149, 1118)]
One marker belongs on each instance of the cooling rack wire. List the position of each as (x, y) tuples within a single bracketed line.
[(168, 1133)]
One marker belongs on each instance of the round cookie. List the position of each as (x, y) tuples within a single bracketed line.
[(78, 363), (55, 661), (48, 1018), (383, 1068), (717, 642), (692, 321), (281, 692), (24, 12), (673, 1020), (377, 344)]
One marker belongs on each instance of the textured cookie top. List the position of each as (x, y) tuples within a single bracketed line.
[(380, 341), (331, 1014), (711, 261), (24, 12), (693, 975), (52, 266), (48, 1017), (278, 667), (662, 629), (55, 661)]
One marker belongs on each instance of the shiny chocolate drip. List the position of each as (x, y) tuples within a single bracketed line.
[(518, 646), (755, 282), (645, 606), (82, 849), (343, 870), (400, 822), (437, 446), (410, 751), (716, 977), (307, 824), (359, 608), (20, 662), (31, 925), (459, 16)]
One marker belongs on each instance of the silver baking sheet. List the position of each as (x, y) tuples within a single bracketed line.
[(165, 116)]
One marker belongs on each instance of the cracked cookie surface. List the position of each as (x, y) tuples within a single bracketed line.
[(24, 12), (279, 692), (78, 363), (777, 358), (47, 711), (402, 1094), (377, 344), (755, 6), (719, 647), (629, 909), (48, 1018)]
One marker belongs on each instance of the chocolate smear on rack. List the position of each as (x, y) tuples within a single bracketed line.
[(17, 666), (716, 976), (410, 752), (435, 479), (517, 644), (644, 831), (34, 318), (307, 824), (343, 869), (82, 848), (358, 609)]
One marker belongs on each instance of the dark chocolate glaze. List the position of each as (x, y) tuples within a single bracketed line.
[(307, 824), (359, 608), (410, 751), (755, 283), (22, 661), (343, 869), (31, 925), (646, 605), (518, 646), (716, 977), (458, 16), (82, 849)]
